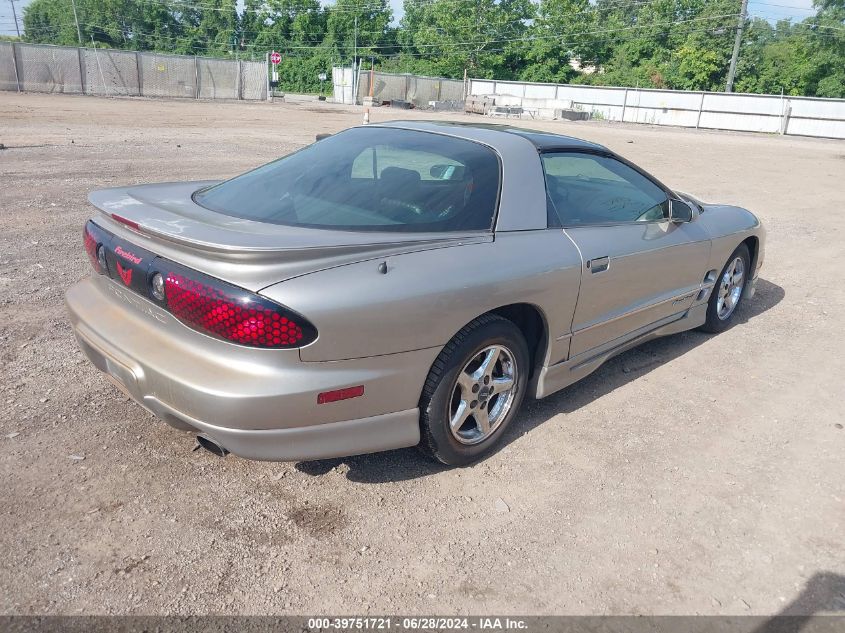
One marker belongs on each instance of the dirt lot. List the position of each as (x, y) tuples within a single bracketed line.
[(697, 474)]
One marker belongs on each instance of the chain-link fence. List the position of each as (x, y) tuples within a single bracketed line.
[(8, 72), (168, 75), (48, 68), (421, 91), (108, 72), (218, 79), (43, 68), (253, 80)]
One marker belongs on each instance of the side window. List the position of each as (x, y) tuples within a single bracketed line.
[(364, 165), (372, 162), (589, 189)]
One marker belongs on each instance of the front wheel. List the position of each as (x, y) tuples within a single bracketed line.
[(473, 391), (728, 291)]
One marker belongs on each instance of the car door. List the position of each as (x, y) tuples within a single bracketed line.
[(639, 270)]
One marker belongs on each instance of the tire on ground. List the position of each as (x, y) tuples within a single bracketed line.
[(437, 440), (713, 323)]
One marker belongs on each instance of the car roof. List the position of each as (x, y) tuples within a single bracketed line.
[(541, 140)]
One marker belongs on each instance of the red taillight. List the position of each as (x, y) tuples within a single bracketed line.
[(91, 247), (233, 314), (340, 394), (205, 303)]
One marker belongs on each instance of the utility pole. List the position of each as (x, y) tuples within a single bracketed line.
[(15, 16), (76, 19), (355, 42), (743, 15), (355, 59)]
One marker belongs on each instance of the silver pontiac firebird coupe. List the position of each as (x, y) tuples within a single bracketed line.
[(394, 285)]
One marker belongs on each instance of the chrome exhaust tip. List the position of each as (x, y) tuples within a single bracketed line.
[(211, 445)]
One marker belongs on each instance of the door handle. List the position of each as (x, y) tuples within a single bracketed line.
[(599, 264)]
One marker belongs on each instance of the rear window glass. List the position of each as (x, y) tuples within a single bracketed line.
[(369, 179)]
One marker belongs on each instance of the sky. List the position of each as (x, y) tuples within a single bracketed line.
[(771, 10)]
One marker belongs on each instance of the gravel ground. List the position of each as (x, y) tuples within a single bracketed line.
[(696, 474)]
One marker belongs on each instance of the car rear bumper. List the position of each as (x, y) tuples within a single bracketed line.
[(259, 404)]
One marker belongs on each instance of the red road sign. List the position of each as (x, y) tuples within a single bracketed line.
[(275, 58)]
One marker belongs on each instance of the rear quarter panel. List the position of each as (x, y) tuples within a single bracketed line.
[(425, 298)]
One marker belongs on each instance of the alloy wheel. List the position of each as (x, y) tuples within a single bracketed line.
[(730, 288), (483, 394)]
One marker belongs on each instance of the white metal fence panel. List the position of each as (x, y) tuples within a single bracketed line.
[(43, 68), (743, 112), (110, 72), (816, 127), (482, 87), (806, 107), (342, 79), (540, 91), (509, 88), (742, 103)]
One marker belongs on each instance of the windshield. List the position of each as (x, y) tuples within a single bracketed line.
[(369, 179)]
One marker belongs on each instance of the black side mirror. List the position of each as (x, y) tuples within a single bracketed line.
[(680, 211)]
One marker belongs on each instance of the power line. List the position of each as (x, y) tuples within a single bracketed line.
[(478, 44), (783, 6), (467, 45)]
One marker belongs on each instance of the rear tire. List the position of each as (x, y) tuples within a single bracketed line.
[(473, 391), (728, 292)]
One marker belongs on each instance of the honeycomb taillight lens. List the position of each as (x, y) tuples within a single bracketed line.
[(231, 313), (204, 303), (94, 240)]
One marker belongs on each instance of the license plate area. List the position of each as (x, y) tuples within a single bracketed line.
[(118, 373)]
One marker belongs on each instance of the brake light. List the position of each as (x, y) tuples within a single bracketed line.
[(91, 245), (231, 313), (122, 220)]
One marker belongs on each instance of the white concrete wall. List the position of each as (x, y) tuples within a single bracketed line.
[(804, 116)]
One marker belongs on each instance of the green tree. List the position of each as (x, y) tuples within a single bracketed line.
[(560, 33), (111, 23), (683, 44), (209, 28), (373, 28), (482, 36), (283, 24)]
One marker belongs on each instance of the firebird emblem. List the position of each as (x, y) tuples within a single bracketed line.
[(125, 274), (132, 257)]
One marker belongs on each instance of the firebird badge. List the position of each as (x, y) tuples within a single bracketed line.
[(125, 274), (132, 257)]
